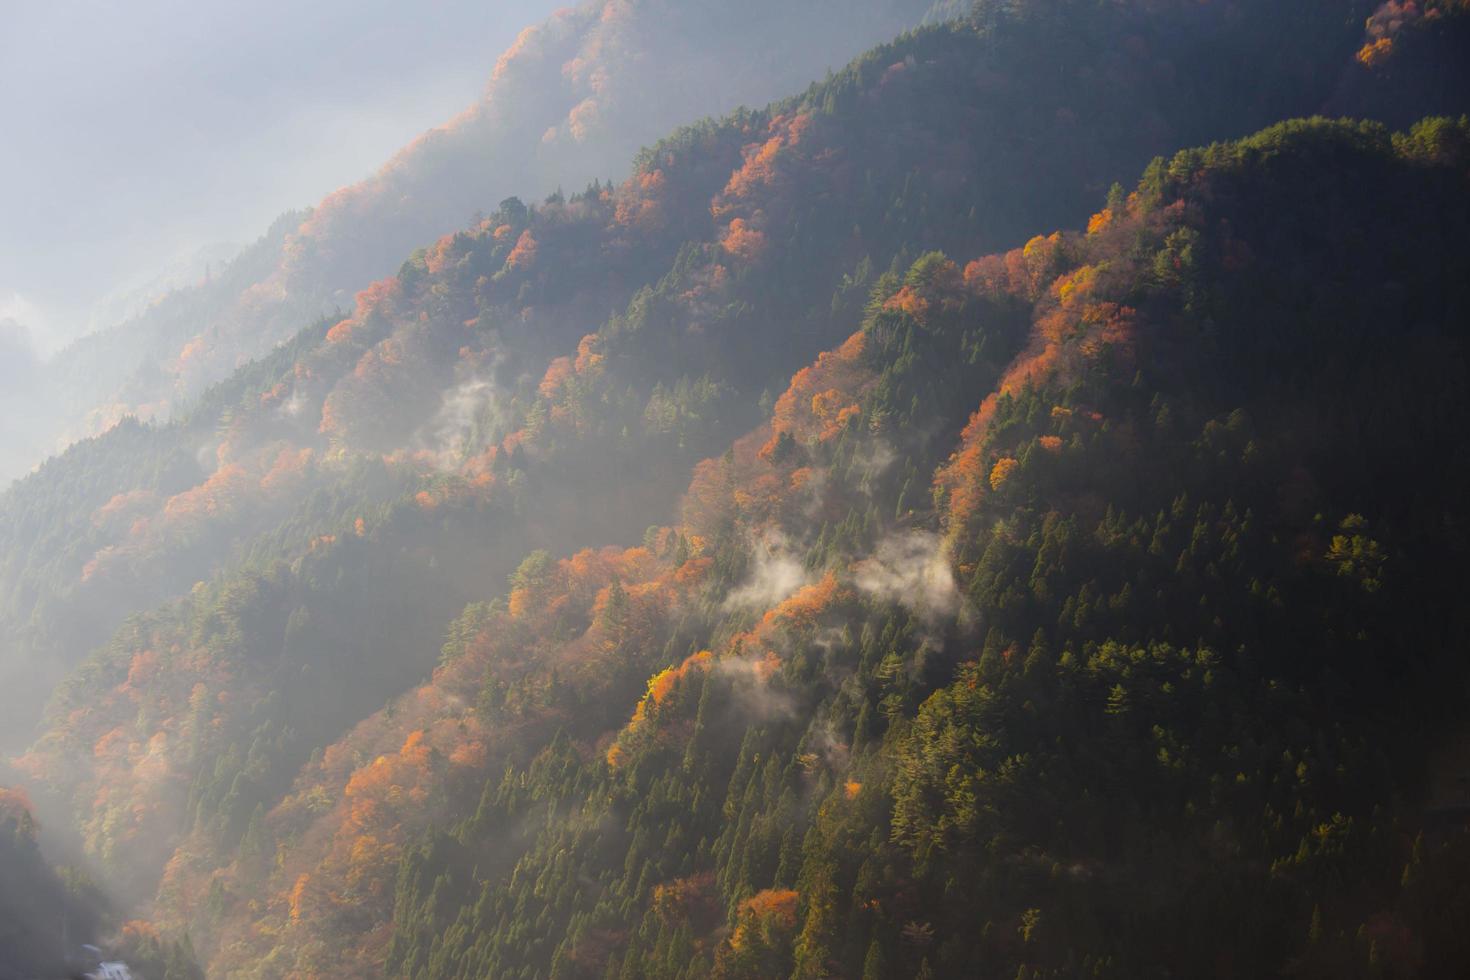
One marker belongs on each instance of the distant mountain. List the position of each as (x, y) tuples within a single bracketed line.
[(20, 416), (573, 99), (896, 583), (131, 300)]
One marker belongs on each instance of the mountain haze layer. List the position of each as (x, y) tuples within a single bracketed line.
[(573, 99)]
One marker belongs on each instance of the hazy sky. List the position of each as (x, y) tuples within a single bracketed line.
[(133, 131)]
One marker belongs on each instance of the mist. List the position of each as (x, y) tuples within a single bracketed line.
[(137, 134), (213, 123)]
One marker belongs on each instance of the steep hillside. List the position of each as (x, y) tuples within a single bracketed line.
[(873, 631), (1116, 365), (1137, 689)]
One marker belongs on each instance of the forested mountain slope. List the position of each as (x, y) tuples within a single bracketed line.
[(1096, 520), (966, 138), (1138, 687), (1161, 678)]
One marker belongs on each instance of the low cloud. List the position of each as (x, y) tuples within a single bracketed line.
[(912, 570), (17, 352), (750, 677), (873, 459), (775, 575), (449, 435), (292, 407)]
